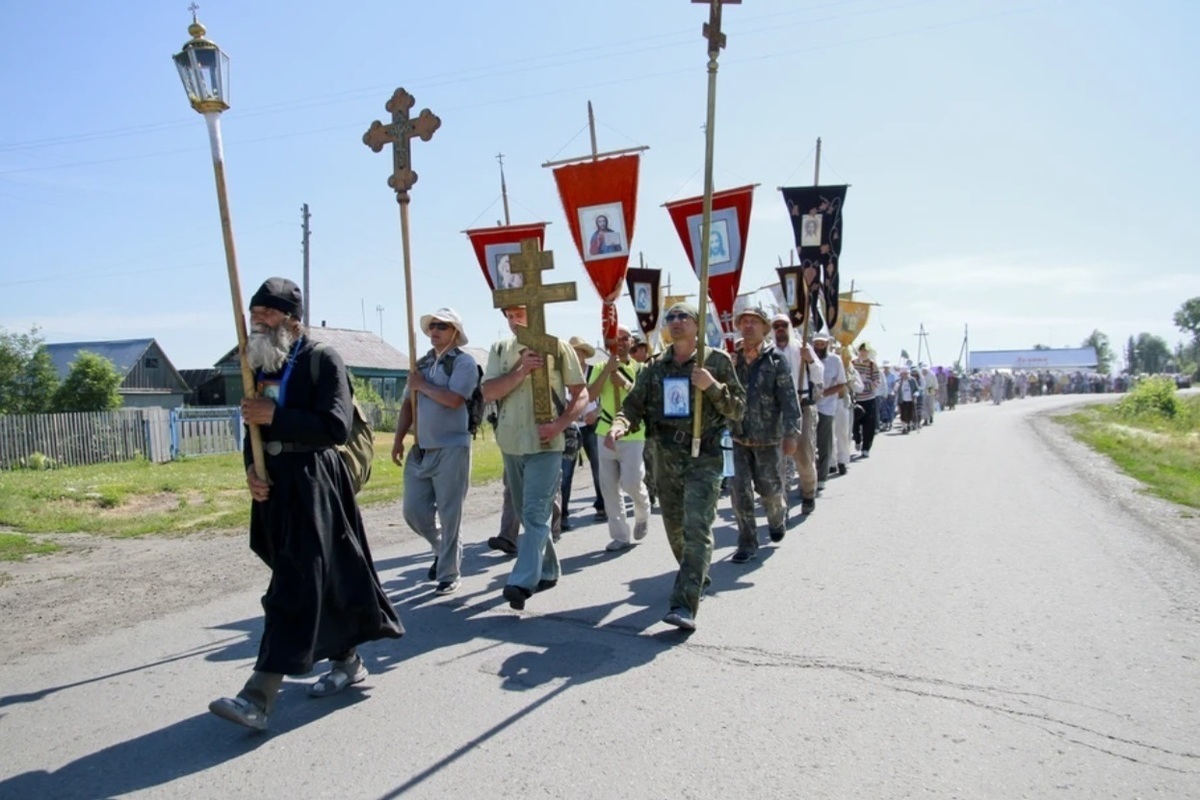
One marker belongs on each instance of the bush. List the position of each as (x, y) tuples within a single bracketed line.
[(39, 461), (1153, 397)]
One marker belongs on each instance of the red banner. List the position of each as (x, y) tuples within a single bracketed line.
[(600, 201), (726, 244), (493, 246)]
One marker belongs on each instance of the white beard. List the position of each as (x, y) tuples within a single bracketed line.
[(267, 349)]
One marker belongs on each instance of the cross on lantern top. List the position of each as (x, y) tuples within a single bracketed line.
[(400, 133)]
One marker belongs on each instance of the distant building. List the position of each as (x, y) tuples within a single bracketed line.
[(148, 379), (366, 355)]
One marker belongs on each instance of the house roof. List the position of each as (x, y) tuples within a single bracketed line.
[(124, 354), (194, 378), (358, 349)]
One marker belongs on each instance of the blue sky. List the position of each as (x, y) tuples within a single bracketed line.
[(1024, 167)]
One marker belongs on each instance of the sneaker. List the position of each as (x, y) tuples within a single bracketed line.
[(342, 674), (681, 618), (566, 524), (841, 469), (503, 545), (614, 546), (240, 711), (432, 574), (808, 505), (777, 534), (600, 516), (640, 529), (742, 556), (447, 587), (516, 596)]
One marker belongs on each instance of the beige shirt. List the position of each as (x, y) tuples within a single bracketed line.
[(516, 430)]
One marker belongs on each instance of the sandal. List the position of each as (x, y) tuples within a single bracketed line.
[(241, 711), (342, 675)]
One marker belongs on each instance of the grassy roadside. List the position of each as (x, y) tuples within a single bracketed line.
[(139, 498), (1152, 435)]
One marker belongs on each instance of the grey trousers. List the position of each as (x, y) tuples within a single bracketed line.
[(435, 486), (510, 520)]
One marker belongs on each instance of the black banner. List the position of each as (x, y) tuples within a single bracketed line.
[(643, 292), (816, 214)]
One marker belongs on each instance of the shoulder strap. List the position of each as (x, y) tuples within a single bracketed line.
[(314, 363)]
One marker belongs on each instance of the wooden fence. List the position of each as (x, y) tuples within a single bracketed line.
[(86, 438)]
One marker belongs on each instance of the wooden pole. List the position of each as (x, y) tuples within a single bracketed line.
[(213, 119)]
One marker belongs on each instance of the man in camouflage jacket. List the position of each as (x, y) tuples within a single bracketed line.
[(772, 416), (688, 488)]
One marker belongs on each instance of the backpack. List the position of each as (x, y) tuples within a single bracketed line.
[(359, 449), (476, 407)]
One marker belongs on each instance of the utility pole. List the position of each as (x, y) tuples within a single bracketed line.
[(304, 217), (380, 310)]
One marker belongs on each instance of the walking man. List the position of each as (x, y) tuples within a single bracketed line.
[(866, 421), (532, 452), (771, 423), (324, 598), (807, 375), (688, 487), (438, 471), (833, 388), (621, 467)]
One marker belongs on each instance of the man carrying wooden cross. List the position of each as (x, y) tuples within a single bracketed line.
[(539, 386)]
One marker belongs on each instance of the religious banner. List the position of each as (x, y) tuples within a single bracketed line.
[(793, 291), (816, 214), (851, 321), (599, 198), (727, 236), (494, 247), (643, 291)]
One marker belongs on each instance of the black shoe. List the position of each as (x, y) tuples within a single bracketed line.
[(601, 516), (742, 556), (516, 596), (566, 524), (503, 545), (808, 506), (432, 574), (545, 584), (841, 469), (777, 534)]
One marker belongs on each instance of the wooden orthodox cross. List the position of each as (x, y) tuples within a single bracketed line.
[(400, 134), (533, 294), (716, 41)]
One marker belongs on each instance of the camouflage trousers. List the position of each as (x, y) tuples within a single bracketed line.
[(688, 490), (756, 469)]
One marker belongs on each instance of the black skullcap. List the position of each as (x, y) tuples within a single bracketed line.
[(281, 295)]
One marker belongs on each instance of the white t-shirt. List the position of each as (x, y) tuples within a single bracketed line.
[(835, 375)]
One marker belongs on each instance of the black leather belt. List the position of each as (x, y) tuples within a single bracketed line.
[(275, 448)]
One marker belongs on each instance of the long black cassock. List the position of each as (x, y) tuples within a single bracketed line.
[(816, 214), (324, 597)]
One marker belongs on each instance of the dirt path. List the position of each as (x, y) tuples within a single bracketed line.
[(96, 584)]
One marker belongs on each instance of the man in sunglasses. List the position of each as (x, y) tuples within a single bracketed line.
[(688, 488), (438, 471)]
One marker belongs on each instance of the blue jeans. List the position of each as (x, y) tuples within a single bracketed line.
[(533, 483)]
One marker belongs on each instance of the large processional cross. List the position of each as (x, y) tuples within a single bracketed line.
[(530, 263)]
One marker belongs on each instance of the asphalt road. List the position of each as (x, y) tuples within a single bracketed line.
[(981, 610)]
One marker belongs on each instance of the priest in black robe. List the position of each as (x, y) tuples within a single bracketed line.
[(324, 598)]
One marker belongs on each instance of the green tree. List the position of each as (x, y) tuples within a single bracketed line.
[(91, 385), (16, 351), (1040, 346), (1104, 353), (35, 394), (1187, 319), (1152, 352), (1131, 360)]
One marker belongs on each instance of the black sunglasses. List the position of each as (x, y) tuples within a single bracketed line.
[(677, 315), (440, 326)]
